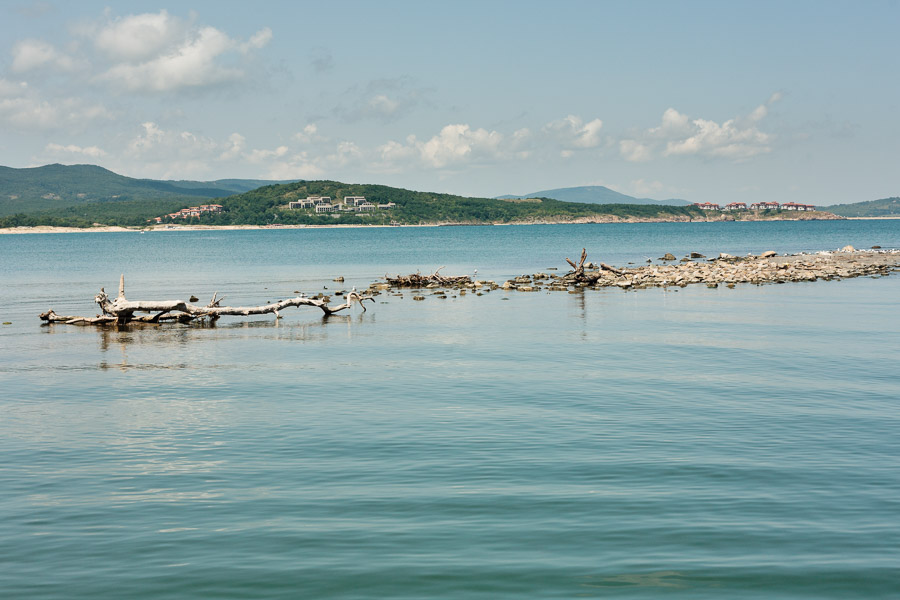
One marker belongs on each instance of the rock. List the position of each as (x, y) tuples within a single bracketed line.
[(712, 285), (193, 299), (382, 286), (418, 297), (876, 247), (725, 255), (525, 288), (340, 279), (697, 255), (847, 248), (769, 253), (685, 259), (667, 256)]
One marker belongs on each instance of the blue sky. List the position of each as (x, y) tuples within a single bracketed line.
[(708, 101)]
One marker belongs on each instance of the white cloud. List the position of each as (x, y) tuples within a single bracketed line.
[(301, 166), (382, 105), (91, 151), (454, 145), (29, 112), (304, 165), (680, 135), (393, 157), (155, 52), (234, 147), (726, 140), (309, 135), (156, 144), (160, 53), (573, 133), (634, 151), (142, 37), (257, 41), (34, 54), (459, 143), (193, 64), (673, 124), (259, 156)]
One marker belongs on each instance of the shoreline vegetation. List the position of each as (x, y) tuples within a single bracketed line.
[(694, 269), (812, 216)]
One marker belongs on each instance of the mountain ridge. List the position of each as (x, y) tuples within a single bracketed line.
[(35, 189), (594, 194)]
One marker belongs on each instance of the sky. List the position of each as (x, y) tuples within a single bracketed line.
[(705, 101)]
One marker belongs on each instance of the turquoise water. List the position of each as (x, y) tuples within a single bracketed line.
[(698, 443)]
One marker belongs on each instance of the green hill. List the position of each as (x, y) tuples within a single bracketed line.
[(59, 187), (269, 204), (886, 207), (594, 194)]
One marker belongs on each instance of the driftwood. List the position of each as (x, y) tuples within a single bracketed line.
[(578, 275), (417, 280), (121, 311)]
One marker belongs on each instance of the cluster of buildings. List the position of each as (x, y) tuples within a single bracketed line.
[(323, 204), (187, 213), (755, 206)]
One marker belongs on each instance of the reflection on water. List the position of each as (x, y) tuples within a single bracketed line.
[(124, 340), (660, 579)]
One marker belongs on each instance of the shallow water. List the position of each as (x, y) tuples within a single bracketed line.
[(692, 443)]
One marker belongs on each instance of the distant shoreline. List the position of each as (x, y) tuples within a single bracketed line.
[(164, 228)]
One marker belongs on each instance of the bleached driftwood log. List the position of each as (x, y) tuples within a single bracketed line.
[(121, 311)]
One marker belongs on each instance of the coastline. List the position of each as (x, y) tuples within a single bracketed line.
[(581, 220)]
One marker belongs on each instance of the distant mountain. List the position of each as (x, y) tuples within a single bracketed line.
[(886, 207), (594, 194), (57, 186)]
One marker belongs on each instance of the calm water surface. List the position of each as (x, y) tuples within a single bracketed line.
[(691, 443)]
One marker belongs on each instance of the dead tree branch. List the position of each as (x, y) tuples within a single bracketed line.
[(122, 311)]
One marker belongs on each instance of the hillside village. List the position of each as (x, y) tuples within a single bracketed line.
[(187, 213), (755, 206), (316, 204), (324, 204)]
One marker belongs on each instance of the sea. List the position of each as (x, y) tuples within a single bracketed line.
[(660, 443)]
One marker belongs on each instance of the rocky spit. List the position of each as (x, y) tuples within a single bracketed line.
[(694, 269)]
